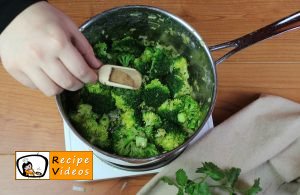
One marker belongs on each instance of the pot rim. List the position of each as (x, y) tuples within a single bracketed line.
[(212, 104)]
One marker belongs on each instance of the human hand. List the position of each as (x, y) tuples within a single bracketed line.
[(42, 48)]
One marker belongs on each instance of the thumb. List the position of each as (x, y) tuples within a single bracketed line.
[(86, 50)]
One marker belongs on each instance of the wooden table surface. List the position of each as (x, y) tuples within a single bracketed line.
[(30, 121)]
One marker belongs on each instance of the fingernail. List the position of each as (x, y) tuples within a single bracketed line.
[(95, 79), (98, 63)]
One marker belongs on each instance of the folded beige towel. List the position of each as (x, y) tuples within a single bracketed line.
[(263, 140)]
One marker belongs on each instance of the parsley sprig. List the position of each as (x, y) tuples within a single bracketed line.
[(211, 176)]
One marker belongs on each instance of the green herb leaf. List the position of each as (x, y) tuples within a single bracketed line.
[(180, 192), (254, 189), (168, 180), (232, 176), (224, 181), (181, 177), (198, 188), (212, 170)]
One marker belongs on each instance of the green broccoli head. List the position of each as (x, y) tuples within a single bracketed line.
[(83, 113), (128, 118), (184, 111), (94, 130), (180, 67), (170, 109), (143, 63), (129, 148), (155, 93), (126, 59), (145, 108), (191, 115), (133, 143), (161, 63), (154, 62), (125, 98), (178, 86), (128, 45), (99, 97), (97, 133), (141, 141), (114, 119), (151, 119), (177, 81), (100, 50), (149, 132), (104, 121), (169, 139)]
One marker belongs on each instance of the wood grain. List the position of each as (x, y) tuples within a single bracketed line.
[(30, 121)]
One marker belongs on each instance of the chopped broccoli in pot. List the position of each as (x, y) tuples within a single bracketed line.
[(126, 99), (143, 63), (180, 67), (157, 118), (128, 45), (101, 51), (170, 139), (92, 127), (155, 93), (160, 64), (184, 111), (99, 97), (151, 119), (126, 59)]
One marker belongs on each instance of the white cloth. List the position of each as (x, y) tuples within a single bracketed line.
[(263, 139)]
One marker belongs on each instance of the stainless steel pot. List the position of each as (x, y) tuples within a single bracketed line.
[(154, 24)]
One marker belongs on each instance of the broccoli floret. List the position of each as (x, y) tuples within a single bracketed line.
[(149, 132), (99, 97), (191, 115), (151, 119), (114, 118), (153, 61), (128, 45), (143, 63), (169, 50), (141, 141), (104, 121), (125, 98), (169, 139), (180, 67), (145, 108), (83, 113), (129, 148), (177, 81), (94, 130), (184, 111), (126, 59), (178, 86), (100, 50), (170, 109), (128, 118), (161, 63), (133, 143), (155, 93)]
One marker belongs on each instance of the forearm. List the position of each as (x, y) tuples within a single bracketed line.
[(9, 9)]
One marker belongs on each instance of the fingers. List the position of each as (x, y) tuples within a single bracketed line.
[(43, 82), (23, 79), (76, 64), (83, 46), (59, 74)]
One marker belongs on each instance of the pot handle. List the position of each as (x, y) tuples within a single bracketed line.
[(285, 24)]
